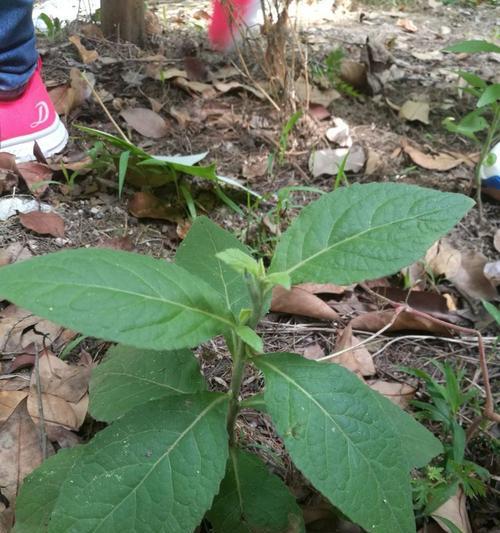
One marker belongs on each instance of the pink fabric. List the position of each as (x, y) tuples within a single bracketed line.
[(29, 114), (228, 17)]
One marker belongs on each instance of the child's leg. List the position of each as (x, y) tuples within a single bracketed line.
[(228, 18), (18, 55), (27, 115)]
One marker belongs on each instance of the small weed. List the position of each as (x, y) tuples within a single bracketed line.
[(53, 25), (441, 479), (483, 124), (330, 73), (133, 165)]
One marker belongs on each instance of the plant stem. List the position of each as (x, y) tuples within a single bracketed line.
[(239, 361)]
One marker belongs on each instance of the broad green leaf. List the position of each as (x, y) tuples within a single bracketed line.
[(472, 79), (419, 444), (250, 337), (252, 500), (157, 469), (490, 95), (473, 47), (365, 231), (132, 376), (341, 440), (239, 261), (40, 490), (468, 126), (119, 296), (197, 254)]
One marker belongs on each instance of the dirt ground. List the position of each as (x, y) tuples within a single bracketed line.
[(241, 131)]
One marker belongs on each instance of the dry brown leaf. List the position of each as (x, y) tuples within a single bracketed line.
[(147, 205), (87, 56), (152, 24), (496, 240), (203, 89), (43, 223), (407, 25), (399, 393), (181, 115), (117, 243), (58, 412), (196, 70), (415, 111), (14, 252), (255, 167), (9, 400), (183, 228), (298, 301), (443, 259), (425, 301), (318, 111), (324, 288), (145, 121), (225, 87), (354, 74), (35, 175), (19, 329), (313, 352), (69, 96), (376, 320), (91, 31), (20, 454), (470, 278), (68, 382), (303, 91), (441, 162), (454, 510), (358, 360)]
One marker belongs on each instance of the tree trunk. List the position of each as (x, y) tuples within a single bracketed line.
[(124, 20)]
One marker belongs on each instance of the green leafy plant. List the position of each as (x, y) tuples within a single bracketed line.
[(135, 166), (441, 480), (53, 26), (171, 453), (485, 119), (331, 70)]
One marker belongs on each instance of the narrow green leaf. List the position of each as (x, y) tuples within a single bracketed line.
[(157, 469), (365, 231), (198, 255), (492, 310), (119, 296), (122, 171), (189, 160), (490, 95), (129, 377), (419, 444), (473, 47), (253, 500), (40, 490), (340, 439), (449, 524), (248, 336)]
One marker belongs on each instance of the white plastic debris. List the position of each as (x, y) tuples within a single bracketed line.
[(13, 205)]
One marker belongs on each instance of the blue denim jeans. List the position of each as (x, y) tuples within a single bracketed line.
[(18, 55)]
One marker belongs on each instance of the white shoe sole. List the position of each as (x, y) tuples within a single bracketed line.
[(51, 140)]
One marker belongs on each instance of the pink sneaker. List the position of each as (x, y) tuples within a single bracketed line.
[(31, 117)]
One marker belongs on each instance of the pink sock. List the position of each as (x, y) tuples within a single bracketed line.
[(228, 17)]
